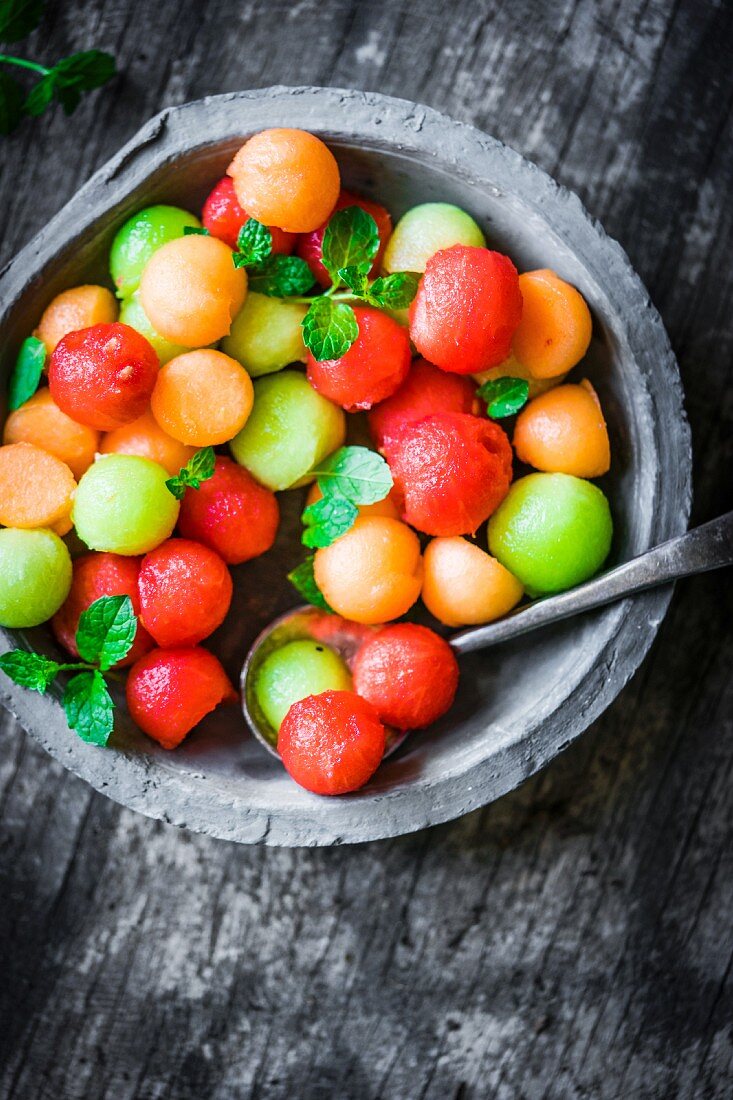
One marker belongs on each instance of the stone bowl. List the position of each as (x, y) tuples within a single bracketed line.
[(518, 706)]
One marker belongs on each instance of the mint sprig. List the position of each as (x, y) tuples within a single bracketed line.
[(27, 372), (360, 475), (303, 580), (329, 328), (348, 250), (350, 240), (104, 636), (200, 467), (106, 631), (30, 670), (65, 82), (281, 277), (327, 519), (504, 396), (394, 291), (89, 707), (349, 477), (195, 231), (254, 243), (269, 273)]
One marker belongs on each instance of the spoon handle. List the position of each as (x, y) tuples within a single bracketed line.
[(704, 548)]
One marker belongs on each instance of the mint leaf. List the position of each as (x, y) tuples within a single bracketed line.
[(11, 104), (351, 239), (89, 707), (106, 631), (69, 78), (504, 396), (281, 277), (327, 519), (195, 231), (27, 371), (254, 243), (395, 291), (303, 579), (30, 670), (360, 475), (85, 70), (355, 280), (200, 467), (18, 18), (40, 95), (329, 328)]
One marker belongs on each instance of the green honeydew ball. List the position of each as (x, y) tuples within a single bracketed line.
[(294, 671), (123, 506), (290, 429), (35, 576), (424, 230), (552, 531), (266, 334)]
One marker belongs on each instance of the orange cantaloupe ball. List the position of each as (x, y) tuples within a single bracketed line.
[(74, 309), (146, 438), (36, 488), (202, 398), (556, 325), (386, 507), (287, 178), (191, 291), (39, 420), (563, 432), (465, 586), (373, 573)]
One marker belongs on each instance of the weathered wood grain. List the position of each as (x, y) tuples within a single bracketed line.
[(575, 939)]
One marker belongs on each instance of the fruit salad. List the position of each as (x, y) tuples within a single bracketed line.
[(248, 350)]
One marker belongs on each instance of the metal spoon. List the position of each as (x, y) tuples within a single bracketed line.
[(707, 547)]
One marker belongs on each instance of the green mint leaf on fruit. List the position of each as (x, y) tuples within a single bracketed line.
[(504, 396), (281, 277), (254, 243), (27, 371), (89, 707), (18, 18), (327, 519), (106, 631), (360, 475), (29, 670), (303, 580), (351, 239), (11, 104), (355, 280), (195, 231), (395, 291), (329, 328), (200, 467)]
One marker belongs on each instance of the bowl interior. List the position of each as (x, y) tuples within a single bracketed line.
[(507, 695)]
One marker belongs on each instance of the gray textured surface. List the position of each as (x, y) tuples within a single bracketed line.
[(574, 939), (514, 711)]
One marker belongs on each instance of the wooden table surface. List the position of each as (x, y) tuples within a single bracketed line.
[(573, 940)]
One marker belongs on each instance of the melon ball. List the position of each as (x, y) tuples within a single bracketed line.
[(123, 505)]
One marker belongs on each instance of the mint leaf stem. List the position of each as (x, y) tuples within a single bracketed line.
[(24, 63)]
